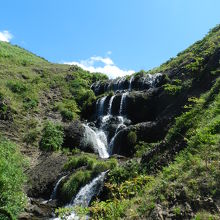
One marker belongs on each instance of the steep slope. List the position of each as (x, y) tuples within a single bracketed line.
[(33, 92), (174, 130), (162, 126)]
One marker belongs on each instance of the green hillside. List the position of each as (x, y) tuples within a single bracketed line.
[(176, 177), (33, 91)]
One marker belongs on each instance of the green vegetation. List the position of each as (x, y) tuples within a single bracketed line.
[(194, 173), (37, 98), (193, 60), (132, 138), (52, 136), (86, 167), (12, 198), (31, 88)]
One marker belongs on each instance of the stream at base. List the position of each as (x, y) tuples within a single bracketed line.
[(85, 195)]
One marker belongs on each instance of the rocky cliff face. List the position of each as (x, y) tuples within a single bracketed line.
[(149, 103)]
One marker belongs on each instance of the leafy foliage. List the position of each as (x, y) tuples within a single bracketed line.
[(52, 136)]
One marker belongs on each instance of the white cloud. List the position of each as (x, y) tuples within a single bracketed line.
[(5, 36), (102, 65)]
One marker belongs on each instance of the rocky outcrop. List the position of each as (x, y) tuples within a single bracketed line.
[(147, 131), (43, 177), (137, 82), (73, 135)]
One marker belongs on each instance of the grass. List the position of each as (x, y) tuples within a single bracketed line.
[(83, 167), (12, 198), (31, 88)]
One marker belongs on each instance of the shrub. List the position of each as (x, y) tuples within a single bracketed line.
[(52, 136), (31, 136), (67, 115), (17, 87), (76, 162), (30, 103), (132, 138), (77, 180)]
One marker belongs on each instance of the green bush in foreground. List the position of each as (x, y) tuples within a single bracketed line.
[(52, 136), (12, 198)]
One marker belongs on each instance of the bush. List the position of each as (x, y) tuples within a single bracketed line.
[(32, 136), (17, 87), (132, 138), (52, 136), (67, 115), (76, 162), (30, 103), (77, 180)]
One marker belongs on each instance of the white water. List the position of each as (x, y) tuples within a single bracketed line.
[(84, 196), (111, 144), (110, 105), (97, 140), (130, 83), (151, 80), (54, 193), (100, 106), (122, 103)]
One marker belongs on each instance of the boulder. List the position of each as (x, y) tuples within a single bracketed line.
[(149, 132), (43, 177), (73, 134)]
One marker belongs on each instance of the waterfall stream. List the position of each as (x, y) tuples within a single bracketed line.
[(54, 193), (85, 195), (99, 139), (110, 105)]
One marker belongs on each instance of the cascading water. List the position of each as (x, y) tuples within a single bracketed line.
[(54, 193), (100, 106), (85, 195), (122, 103), (130, 83), (110, 105), (111, 144), (97, 140)]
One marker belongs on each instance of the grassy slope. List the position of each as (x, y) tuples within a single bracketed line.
[(193, 177), (32, 91)]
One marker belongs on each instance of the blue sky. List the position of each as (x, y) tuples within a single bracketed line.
[(107, 35)]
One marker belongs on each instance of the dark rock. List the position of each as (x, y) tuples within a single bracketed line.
[(73, 134), (147, 131), (43, 177)]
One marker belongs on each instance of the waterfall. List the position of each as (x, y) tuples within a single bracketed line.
[(97, 140), (122, 103), (100, 106), (85, 195), (54, 193), (110, 105), (151, 80), (111, 144), (130, 83)]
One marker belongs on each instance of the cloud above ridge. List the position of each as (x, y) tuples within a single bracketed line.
[(5, 36), (102, 65)]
